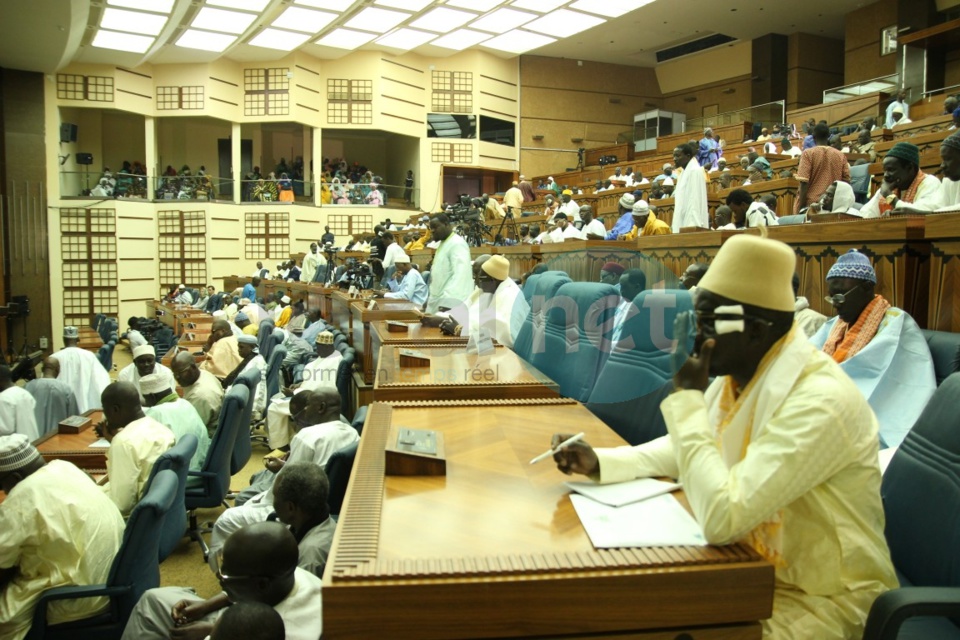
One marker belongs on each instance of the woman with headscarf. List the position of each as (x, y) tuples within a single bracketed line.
[(285, 188), (707, 154)]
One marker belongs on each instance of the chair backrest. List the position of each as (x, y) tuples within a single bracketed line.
[(135, 565), (220, 452), (338, 470), (945, 351), (530, 285), (359, 418), (339, 340), (176, 459), (636, 375), (241, 447), (921, 492), (97, 319), (544, 289), (345, 378), (264, 337), (105, 355), (792, 219), (273, 369)]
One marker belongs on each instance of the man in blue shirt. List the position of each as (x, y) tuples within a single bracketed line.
[(250, 290), (412, 287)]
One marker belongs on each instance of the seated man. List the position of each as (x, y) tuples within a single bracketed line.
[(320, 434), (17, 408), (200, 388), (57, 529), (632, 282), (879, 346), (221, 350), (163, 404), (300, 496), (55, 400), (564, 229), (243, 323), (593, 228), (144, 363), (317, 374), (905, 188), (297, 348), (755, 213), (411, 287), (136, 441), (258, 564), (133, 336), (779, 452), (250, 358)]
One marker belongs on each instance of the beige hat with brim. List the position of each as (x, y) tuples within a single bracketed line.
[(754, 271), (497, 267)]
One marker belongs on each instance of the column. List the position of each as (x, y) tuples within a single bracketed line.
[(235, 166)]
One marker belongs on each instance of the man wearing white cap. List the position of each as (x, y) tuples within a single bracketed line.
[(496, 307), (249, 352), (311, 262), (317, 374), (690, 209), (136, 441), (163, 404), (57, 529), (778, 452), (17, 407), (412, 287), (144, 363), (281, 315), (182, 296), (221, 350), (81, 370)]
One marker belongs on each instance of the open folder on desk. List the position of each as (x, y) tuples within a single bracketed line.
[(99, 444), (621, 493), (660, 521)]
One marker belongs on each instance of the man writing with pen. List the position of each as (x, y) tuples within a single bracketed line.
[(779, 452)]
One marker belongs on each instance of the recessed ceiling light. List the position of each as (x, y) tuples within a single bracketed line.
[(122, 41), (408, 5), (157, 6), (518, 41), (205, 40), (377, 20), (405, 39), (503, 20), (150, 24), (221, 20), (461, 39), (245, 5), (442, 19), (609, 8), (476, 5), (345, 39), (538, 5), (304, 19), (564, 23), (332, 5), (277, 39)]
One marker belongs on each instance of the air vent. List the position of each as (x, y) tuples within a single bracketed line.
[(693, 46)]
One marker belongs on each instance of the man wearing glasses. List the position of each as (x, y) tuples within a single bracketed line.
[(779, 451), (258, 564), (878, 345)]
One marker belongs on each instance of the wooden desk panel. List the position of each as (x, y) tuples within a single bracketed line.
[(362, 316), (495, 549), (75, 447), (340, 313), (416, 335), (942, 231), (455, 375)]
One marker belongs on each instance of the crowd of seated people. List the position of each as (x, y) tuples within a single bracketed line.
[(129, 182), (283, 184), (343, 183), (185, 185)]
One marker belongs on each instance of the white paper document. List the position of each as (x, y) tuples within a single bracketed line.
[(621, 493), (657, 522), (99, 444)]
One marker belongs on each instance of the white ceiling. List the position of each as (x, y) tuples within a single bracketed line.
[(46, 35)]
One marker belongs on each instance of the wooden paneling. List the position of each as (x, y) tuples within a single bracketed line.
[(943, 310), (842, 111), (862, 27), (729, 95)]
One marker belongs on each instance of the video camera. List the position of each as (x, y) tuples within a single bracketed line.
[(605, 160), (465, 210), (25, 367)]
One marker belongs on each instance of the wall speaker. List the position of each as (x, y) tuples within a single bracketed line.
[(84, 158), (68, 132)]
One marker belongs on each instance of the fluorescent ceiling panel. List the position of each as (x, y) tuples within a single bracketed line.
[(345, 39), (205, 40), (407, 5), (563, 23), (476, 5), (376, 20), (609, 8), (538, 5), (443, 20), (224, 21), (518, 41), (122, 41), (157, 6), (281, 40), (503, 20), (150, 24), (332, 5), (405, 39), (245, 5), (304, 19), (461, 39)]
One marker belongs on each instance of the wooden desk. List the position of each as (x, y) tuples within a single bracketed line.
[(176, 316), (361, 318), (340, 312), (494, 549), (455, 375), (942, 231), (75, 447), (415, 336)]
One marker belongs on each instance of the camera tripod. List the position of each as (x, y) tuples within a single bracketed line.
[(498, 236)]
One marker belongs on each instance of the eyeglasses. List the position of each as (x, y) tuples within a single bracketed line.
[(838, 299), (222, 577)]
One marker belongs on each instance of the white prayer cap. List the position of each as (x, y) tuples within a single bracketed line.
[(71, 332), (324, 337), (550, 179), (732, 273), (667, 165), (640, 207), (285, 299), (154, 383), (219, 313), (668, 182), (244, 302), (16, 452), (144, 350), (404, 259), (182, 286), (246, 338)]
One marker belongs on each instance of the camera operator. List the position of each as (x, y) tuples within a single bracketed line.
[(513, 200)]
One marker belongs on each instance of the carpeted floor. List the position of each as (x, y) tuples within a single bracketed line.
[(185, 566)]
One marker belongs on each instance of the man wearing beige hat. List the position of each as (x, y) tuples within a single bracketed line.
[(81, 370), (496, 306), (221, 350), (317, 374), (145, 363), (778, 452), (163, 404), (200, 388), (57, 529)]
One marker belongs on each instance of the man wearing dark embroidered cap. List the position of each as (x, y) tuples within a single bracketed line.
[(778, 452), (950, 169), (905, 188)]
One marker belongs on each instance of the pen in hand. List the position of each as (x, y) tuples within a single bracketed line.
[(562, 445)]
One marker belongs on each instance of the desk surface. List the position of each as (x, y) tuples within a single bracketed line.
[(415, 332), (75, 447), (495, 548), (454, 374)]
